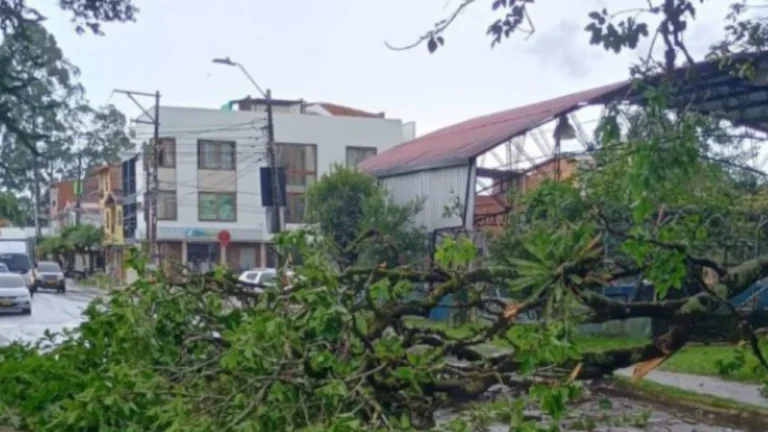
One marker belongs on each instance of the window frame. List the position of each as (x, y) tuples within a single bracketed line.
[(163, 145), (358, 148), (200, 145), (176, 205), (217, 219), (289, 208), (291, 171)]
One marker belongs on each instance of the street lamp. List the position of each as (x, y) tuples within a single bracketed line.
[(275, 228), (228, 62)]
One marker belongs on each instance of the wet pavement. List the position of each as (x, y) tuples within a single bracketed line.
[(710, 386), (50, 311)]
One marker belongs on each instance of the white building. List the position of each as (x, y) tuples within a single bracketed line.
[(209, 173)]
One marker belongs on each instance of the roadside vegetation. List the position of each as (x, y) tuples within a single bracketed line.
[(348, 347)]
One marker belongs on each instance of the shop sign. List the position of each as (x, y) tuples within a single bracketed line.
[(197, 233)]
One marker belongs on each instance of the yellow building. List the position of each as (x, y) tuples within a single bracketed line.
[(110, 204)]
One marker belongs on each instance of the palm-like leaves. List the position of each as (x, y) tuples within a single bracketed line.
[(550, 262)]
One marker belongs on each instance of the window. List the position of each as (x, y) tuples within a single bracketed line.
[(294, 207), (48, 267), (129, 226), (355, 155), (216, 155), (248, 257), (129, 177), (217, 207), (108, 220), (300, 162), (166, 153), (166, 205)]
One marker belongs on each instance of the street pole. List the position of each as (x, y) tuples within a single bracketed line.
[(276, 225), (79, 185), (153, 246), (152, 176), (36, 191), (273, 166)]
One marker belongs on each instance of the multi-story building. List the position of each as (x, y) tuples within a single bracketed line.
[(209, 173), (63, 203), (110, 204)]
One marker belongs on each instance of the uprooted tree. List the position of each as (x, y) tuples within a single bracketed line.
[(344, 350)]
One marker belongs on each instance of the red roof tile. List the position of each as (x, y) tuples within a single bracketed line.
[(456, 144)]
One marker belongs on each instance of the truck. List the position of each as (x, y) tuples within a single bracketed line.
[(17, 252)]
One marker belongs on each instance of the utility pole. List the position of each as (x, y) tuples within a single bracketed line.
[(276, 226), (36, 192), (79, 191), (273, 166), (153, 183), (153, 246)]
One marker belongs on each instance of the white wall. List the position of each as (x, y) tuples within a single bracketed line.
[(248, 129), (439, 187)]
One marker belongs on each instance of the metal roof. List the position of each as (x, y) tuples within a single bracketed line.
[(455, 145), (716, 90)]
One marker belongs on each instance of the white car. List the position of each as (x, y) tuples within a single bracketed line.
[(14, 294), (263, 276)]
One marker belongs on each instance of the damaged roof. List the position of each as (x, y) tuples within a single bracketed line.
[(716, 90), (455, 145)]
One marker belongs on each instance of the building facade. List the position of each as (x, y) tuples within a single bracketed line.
[(63, 203), (209, 178), (111, 208)]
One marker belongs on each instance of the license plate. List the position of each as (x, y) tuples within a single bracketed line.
[(6, 303)]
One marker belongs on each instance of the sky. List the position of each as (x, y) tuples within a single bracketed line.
[(334, 51)]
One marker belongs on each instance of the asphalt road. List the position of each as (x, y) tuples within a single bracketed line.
[(50, 311)]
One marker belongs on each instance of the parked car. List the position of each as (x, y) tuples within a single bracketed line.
[(14, 294), (257, 278), (4, 268), (48, 274), (20, 263)]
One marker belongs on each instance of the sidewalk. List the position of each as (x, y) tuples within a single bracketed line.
[(709, 386)]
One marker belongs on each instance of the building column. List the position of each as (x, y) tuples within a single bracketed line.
[(262, 255), (184, 252)]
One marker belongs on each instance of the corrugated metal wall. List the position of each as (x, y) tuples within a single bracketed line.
[(437, 186)]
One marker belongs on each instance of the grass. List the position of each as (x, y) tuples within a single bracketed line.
[(704, 360), (693, 359), (586, 343)]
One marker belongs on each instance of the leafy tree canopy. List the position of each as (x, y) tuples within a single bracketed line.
[(348, 348), (347, 204), (45, 120)]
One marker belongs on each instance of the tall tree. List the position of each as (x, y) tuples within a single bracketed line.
[(44, 105), (346, 204), (104, 137)]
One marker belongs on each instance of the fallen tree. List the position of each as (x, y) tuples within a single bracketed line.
[(340, 350)]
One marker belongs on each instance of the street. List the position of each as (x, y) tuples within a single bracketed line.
[(50, 311)]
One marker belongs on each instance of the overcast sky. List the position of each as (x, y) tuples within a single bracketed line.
[(333, 51)]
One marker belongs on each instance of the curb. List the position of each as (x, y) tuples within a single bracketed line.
[(749, 418)]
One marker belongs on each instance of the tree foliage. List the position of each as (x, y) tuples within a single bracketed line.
[(347, 204), (75, 239), (345, 348), (43, 113)]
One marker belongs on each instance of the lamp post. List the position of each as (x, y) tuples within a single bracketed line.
[(276, 225)]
